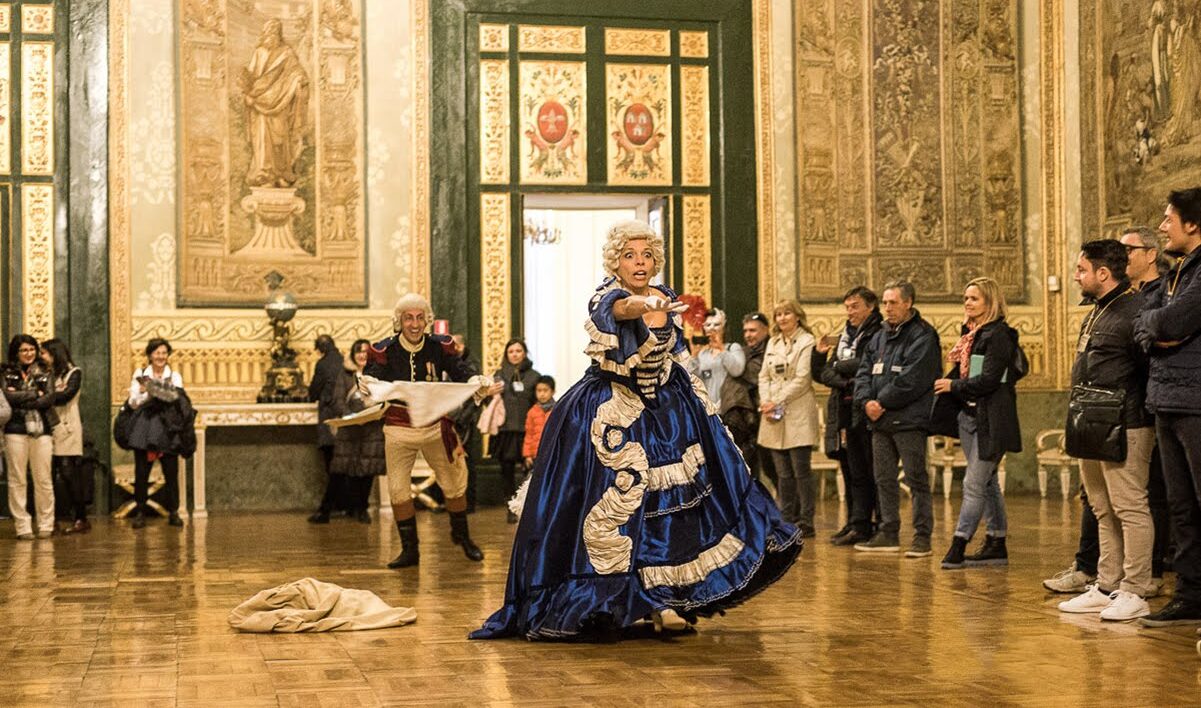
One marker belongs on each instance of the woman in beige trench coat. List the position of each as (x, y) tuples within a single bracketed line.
[(789, 428)]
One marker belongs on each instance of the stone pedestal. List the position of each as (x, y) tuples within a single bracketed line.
[(274, 209)]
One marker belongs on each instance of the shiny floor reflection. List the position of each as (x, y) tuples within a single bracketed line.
[(138, 618)]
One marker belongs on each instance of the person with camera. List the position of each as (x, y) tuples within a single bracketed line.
[(789, 407), (835, 363), (1111, 432), (29, 388), (714, 361)]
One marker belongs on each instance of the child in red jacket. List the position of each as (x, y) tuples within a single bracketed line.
[(535, 419)]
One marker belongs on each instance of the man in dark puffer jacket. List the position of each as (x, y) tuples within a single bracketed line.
[(1169, 327)]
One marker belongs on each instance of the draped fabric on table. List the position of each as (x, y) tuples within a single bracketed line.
[(639, 501)]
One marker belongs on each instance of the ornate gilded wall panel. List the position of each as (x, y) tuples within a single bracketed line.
[(37, 259), (694, 124), (694, 45), (765, 152), (638, 42), (698, 246), (420, 220), (638, 104), (6, 17), (554, 122), (37, 19), (496, 288), (274, 169), (37, 108), (935, 196), (6, 145), (494, 121), (550, 38), (494, 38)]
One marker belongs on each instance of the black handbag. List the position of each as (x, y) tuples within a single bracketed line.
[(123, 426), (1095, 428)]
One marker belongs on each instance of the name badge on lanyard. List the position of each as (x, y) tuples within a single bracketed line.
[(518, 386), (1083, 343), (877, 368)]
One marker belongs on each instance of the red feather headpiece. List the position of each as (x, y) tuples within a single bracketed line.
[(695, 315)]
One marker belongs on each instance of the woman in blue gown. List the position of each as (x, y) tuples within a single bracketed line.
[(640, 504)]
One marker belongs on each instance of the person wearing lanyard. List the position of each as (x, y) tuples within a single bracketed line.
[(1107, 357)]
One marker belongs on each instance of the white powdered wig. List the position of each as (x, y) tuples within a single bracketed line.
[(622, 233), (411, 301)]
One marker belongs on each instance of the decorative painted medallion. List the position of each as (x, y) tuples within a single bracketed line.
[(638, 103), (554, 122)]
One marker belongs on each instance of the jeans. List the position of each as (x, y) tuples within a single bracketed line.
[(1161, 517), (861, 478), (908, 447), (1180, 446), (981, 490), (797, 486)]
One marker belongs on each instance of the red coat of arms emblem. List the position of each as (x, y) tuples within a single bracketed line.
[(552, 122), (639, 124)]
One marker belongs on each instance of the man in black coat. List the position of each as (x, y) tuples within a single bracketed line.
[(740, 397), (1170, 329), (846, 435), (325, 377), (894, 388)]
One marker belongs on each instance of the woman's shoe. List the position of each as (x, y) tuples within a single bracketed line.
[(321, 517), (510, 517), (174, 520), (363, 516), (993, 552), (668, 619), (953, 560), (139, 520)]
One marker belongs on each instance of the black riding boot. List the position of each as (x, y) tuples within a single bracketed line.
[(460, 535), (409, 554)]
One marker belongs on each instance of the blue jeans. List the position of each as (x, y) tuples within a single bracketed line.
[(981, 491)]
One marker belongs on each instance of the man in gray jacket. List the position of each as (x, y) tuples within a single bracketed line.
[(895, 389)]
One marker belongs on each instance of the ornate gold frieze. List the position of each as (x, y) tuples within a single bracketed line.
[(494, 38), (694, 124), (554, 122), (120, 304), (37, 19), (495, 290), (37, 108), (6, 17), (694, 45), (638, 104), (548, 38), (420, 203), (5, 107), (274, 169), (698, 246), (638, 42), (494, 121), (764, 152), (37, 259)]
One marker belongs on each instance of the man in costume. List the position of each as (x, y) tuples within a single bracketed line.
[(413, 355)]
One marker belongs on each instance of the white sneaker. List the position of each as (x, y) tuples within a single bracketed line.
[(1092, 600), (1125, 606), (1070, 580)]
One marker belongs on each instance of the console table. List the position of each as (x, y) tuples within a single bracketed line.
[(236, 415)]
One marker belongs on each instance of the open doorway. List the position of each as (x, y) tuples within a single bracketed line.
[(562, 240)]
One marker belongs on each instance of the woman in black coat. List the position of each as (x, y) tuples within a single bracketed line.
[(980, 388), (358, 449), (519, 377)]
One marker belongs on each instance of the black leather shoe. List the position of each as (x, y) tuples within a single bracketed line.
[(841, 532), (850, 538), (139, 520), (460, 535), (174, 520), (409, 554), (320, 517), (363, 516)]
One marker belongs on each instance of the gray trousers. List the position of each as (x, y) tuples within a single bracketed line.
[(909, 448), (796, 486)]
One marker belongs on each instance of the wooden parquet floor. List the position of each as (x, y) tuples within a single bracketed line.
[(123, 618)]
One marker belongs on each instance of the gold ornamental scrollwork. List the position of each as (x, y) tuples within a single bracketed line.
[(698, 246), (5, 107), (420, 204), (638, 103), (494, 121), (494, 38), (550, 38), (120, 303), (6, 17), (638, 42), (554, 122), (37, 108), (694, 124), (694, 45), (496, 295), (764, 175), (37, 259)]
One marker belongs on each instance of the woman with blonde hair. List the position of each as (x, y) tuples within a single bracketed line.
[(639, 504), (979, 393), (789, 426)]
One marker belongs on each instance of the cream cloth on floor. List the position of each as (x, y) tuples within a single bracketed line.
[(309, 605)]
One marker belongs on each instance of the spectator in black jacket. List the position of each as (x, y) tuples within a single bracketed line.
[(324, 390), (740, 398), (29, 388), (1107, 357), (1170, 328), (155, 432), (895, 390), (846, 436), (980, 391)]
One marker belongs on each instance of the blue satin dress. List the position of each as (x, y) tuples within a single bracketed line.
[(639, 500)]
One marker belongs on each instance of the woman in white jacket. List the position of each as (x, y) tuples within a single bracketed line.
[(789, 412)]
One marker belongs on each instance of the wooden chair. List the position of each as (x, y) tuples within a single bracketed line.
[(946, 454), (820, 464), (1051, 455), (123, 476)]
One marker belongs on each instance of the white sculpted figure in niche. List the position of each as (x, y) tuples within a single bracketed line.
[(276, 93)]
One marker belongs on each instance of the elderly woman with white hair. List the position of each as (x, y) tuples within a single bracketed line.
[(640, 505)]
